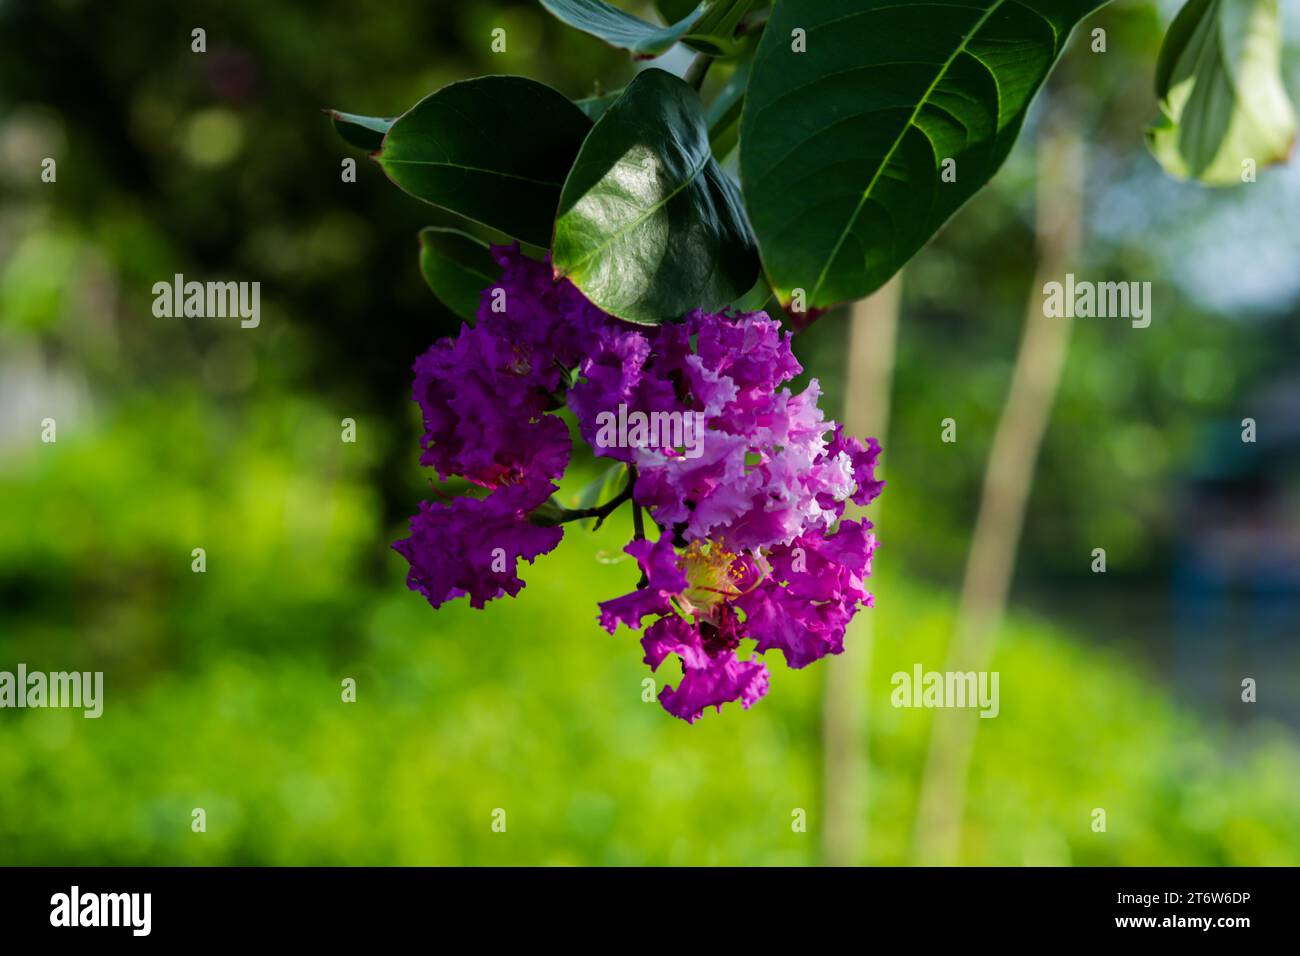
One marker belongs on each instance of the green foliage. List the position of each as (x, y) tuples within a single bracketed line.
[(457, 267), (495, 150), (649, 227), (715, 33), (674, 10), (843, 146), (1222, 101), (725, 109), (223, 692), (595, 106), (621, 29)]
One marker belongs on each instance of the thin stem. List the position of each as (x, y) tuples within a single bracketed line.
[(698, 69), (638, 525), (599, 512), (638, 532)]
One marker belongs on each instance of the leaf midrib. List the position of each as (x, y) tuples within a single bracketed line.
[(884, 163), (705, 156), (471, 169)]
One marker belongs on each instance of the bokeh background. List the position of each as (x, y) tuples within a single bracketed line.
[(1119, 690)]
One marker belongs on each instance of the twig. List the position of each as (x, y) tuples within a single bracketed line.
[(638, 533), (599, 512)]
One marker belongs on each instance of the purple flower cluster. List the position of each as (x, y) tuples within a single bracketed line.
[(751, 542)]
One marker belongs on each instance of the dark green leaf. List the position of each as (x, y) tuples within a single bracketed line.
[(674, 10), (649, 225), (620, 29), (1222, 101), (594, 106), (364, 132), (842, 147), (495, 150), (457, 267), (756, 299)]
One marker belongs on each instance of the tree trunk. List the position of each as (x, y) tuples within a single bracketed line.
[(873, 327), (1007, 479)]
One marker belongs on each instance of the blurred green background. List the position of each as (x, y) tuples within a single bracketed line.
[(222, 689)]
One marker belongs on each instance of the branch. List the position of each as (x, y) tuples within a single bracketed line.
[(599, 512), (551, 513)]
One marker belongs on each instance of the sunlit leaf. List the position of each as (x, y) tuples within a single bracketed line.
[(649, 226), (843, 145), (1222, 102)]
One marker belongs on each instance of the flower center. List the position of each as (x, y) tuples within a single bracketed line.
[(711, 575)]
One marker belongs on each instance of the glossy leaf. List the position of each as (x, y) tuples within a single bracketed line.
[(1222, 101), (621, 29), (843, 146), (364, 132), (649, 226), (457, 267), (494, 149)]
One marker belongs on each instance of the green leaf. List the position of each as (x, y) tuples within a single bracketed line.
[(620, 29), (1222, 101), (715, 32), (649, 226), (365, 132), (594, 106), (604, 487), (756, 299), (674, 10), (457, 267), (842, 147), (494, 149)]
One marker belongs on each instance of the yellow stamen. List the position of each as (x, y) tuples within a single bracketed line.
[(710, 574)]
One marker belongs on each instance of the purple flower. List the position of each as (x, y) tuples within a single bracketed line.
[(797, 598), (745, 478), (664, 580), (711, 673), (863, 463), (472, 546), (486, 397), (762, 471), (815, 586)]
